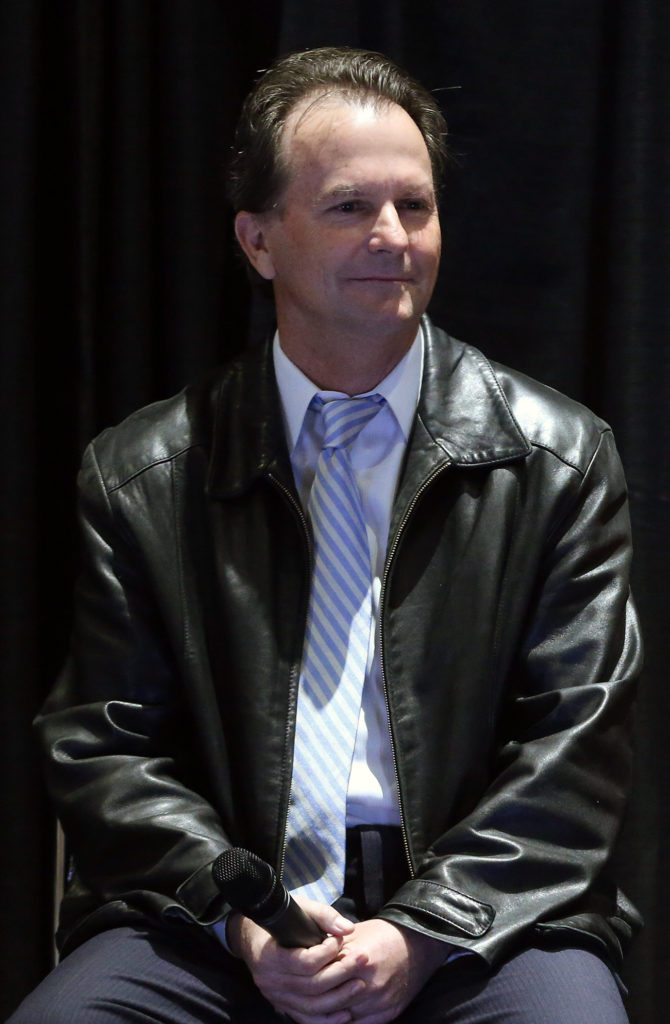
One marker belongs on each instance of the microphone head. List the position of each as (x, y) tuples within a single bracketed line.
[(250, 885), (244, 879)]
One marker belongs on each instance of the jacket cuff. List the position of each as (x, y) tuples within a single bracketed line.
[(437, 910), (200, 897)]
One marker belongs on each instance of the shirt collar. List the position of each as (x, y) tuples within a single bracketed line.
[(400, 389)]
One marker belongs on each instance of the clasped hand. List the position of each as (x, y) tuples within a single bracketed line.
[(366, 972)]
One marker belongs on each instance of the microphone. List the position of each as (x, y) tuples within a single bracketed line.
[(251, 886)]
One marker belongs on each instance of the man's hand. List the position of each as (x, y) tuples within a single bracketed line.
[(398, 963), (366, 972), (313, 986)]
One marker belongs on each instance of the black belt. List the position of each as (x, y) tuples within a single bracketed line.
[(376, 866)]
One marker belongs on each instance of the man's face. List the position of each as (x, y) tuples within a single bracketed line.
[(355, 243)]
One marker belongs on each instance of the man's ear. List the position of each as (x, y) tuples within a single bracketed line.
[(250, 234)]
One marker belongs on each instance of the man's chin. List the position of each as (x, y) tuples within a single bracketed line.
[(391, 315)]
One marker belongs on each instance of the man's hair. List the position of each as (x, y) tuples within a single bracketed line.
[(257, 174)]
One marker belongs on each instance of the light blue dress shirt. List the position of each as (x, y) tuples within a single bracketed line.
[(376, 457)]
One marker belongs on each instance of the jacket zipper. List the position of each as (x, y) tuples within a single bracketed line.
[(387, 569), (302, 519), (297, 508)]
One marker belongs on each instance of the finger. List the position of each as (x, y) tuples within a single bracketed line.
[(334, 1001), (308, 962), (353, 958), (340, 1017), (271, 958), (328, 919), (381, 1017), (331, 977)]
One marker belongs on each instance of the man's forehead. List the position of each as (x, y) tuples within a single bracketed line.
[(324, 126), (326, 107)]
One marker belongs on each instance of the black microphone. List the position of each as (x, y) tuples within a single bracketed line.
[(251, 886)]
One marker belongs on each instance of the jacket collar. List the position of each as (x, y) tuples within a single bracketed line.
[(462, 404), (463, 417), (248, 441)]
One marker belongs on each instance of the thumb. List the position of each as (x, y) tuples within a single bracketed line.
[(327, 918)]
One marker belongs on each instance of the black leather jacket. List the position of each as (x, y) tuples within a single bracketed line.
[(509, 646)]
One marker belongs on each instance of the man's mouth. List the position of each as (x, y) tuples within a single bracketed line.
[(388, 278)]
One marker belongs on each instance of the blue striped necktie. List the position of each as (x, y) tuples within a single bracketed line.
[(334, 659)]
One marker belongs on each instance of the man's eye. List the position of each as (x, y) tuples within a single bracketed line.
[(414, 204), (349, 206)]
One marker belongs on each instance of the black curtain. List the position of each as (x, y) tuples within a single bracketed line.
[(119, 283)]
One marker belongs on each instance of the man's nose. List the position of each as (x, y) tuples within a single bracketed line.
[(388, 232)]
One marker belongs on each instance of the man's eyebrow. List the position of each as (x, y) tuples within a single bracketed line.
[(340, 192), (345, 191)]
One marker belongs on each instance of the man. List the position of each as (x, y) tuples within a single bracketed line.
[(428, 583)]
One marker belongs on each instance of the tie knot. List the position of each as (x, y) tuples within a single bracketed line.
[(344, 418)]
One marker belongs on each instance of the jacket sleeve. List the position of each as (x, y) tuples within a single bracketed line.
[(116, 738), (530, 853)]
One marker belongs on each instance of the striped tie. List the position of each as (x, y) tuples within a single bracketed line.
[(334, 659)]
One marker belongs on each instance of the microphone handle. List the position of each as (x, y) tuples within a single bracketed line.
[(291, 926)]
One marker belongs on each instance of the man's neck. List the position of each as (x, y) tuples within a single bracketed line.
[(347, 363)]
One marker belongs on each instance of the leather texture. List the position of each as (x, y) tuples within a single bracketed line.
[(509, 647)]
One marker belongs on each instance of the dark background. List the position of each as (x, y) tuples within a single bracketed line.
[(118, 284)]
